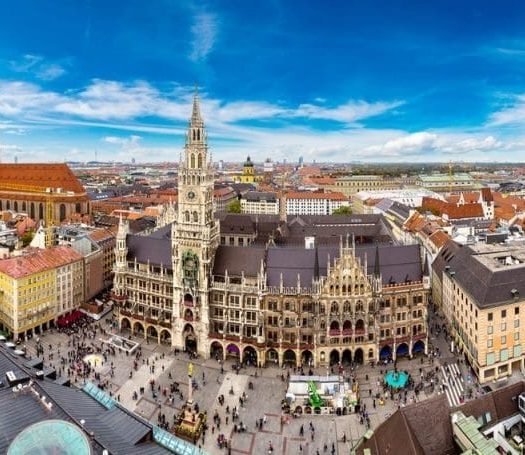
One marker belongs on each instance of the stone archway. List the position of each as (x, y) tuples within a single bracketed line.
[(347, 327), (418, 347), (125, 324), (334, 357), (216, 351), (402, 350), (385, 353), (165, 337), (346, 358), (190, 340), (272, 356), (359, 356), (152, 332), (360, 327), (138, 329), (249, 356), (307, 358), (233, 351), (289, 357), (188, 315)]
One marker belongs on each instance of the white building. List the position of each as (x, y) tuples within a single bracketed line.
[(309, 203), (260, 202), (409, 197)]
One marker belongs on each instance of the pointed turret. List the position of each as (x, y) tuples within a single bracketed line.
[(377, 265), (426, 271), (316, 262), (196, 119)]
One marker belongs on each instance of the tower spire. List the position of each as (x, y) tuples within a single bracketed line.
[(196, 118)]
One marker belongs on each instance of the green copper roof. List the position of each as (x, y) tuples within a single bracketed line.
[(56, 437)]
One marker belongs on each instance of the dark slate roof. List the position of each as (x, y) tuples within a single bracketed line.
[(260, 196), (237, 224), (117, 429), (155, 248), (425, 428), (487, 286), (398, 263), (238, 259)]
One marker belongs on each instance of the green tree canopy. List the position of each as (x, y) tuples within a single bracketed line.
[(234, 207), (343, 210)]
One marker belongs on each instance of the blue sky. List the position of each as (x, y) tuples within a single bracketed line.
[(326, 80)]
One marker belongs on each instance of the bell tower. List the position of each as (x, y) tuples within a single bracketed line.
[(195, 238)]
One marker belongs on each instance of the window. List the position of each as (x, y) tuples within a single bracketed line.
[(503, 339), (503, 313), (503, 326), (516, 323), (517, 310), (489, 343), (516, 336), (490, 330), (489, 317)]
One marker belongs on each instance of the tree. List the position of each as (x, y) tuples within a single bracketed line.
[(27, 237), (234, 207), (343, 210)]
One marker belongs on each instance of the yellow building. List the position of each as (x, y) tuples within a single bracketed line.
[(481, 296), (248, 173), (38, 287)]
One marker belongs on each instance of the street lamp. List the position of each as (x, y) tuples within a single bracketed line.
[(368, 434)]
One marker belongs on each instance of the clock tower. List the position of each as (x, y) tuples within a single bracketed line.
[(195, 238)]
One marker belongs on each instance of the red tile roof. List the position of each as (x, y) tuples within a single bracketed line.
[(38, 260), (452, 210), (41, 175)]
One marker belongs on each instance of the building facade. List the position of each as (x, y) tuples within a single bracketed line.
[(260, 202), (481, 296), (37, 288), (322, 297), (314, 203)]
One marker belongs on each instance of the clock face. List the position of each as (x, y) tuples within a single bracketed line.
[(191, 195)]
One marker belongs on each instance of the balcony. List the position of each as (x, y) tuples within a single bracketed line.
[(189, 303), (360, 331), (347, 332), (334, 332)]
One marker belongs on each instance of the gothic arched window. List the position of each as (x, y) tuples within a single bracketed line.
[(187, 216), (192, 165), (195, 217), (200, 161)]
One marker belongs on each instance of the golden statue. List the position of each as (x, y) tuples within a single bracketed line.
[(190, 369)]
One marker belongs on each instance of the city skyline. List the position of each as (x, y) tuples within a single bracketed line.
[(339, 82)]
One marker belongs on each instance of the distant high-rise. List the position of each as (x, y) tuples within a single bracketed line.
[(16, 159), (300, 161)]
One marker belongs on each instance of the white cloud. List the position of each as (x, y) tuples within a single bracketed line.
[(19, 97), (126, 142), (204, 34), (37, 65), (512, 114), (349, 112)]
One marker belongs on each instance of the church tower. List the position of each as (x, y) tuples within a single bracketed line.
[(195, 238)]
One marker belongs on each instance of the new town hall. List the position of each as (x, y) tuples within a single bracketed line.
[(310, 290)]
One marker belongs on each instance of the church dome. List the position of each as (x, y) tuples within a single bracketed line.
[(248, 162)]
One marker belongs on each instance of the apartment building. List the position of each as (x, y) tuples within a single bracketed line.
[(481, 296), (38, 287), (314, 203)]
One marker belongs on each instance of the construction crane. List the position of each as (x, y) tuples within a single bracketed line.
[(49, 213)]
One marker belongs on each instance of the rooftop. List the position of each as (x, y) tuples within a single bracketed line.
[(38, 260), (41, 175)]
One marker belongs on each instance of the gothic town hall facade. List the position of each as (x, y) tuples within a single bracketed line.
[(269, 289)]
